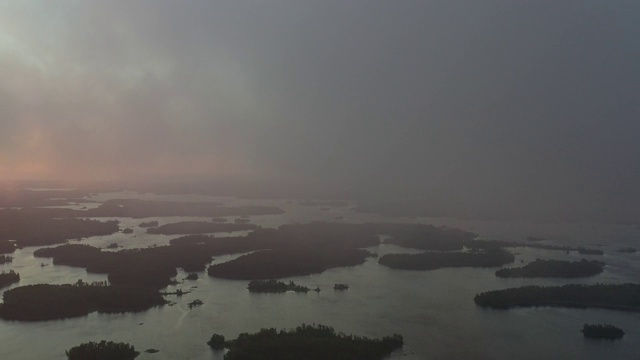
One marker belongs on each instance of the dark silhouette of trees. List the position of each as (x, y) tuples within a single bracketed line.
[(309, 342), (8, 278), (554, 268), (4, 259), (216, 342), (607, 296), (47, 302), (274, 286), (198, 227), (602, 331), (435, 260), (102, 351)]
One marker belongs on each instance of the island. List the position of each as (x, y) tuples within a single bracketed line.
[(102, 351), (148, 224), (602, 331), (198, 227), (47, 302), (287, 262), (8, 278), (630, 250), (309, 342), (436, 260), (340, 287), (554, 268), (7, 246), (30, 227), (274, 286), (606, 296), (4, 259)]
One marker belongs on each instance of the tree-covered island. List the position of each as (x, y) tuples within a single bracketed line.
[(8, 278), (602, 331), (435, 260), (309, 342), (102, 351), (616, 297), (274, 286), (47, 302)]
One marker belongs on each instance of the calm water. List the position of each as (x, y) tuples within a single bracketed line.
[(433, 310)]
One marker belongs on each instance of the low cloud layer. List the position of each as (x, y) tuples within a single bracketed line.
[(499, 103)]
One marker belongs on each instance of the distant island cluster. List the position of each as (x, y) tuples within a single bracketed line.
[(136, 276)]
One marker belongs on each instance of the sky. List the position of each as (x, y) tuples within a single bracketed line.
[(502, 103)]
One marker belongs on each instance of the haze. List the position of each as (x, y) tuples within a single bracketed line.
[(495, 106)]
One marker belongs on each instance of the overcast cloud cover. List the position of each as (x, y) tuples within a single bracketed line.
[(535, 103)]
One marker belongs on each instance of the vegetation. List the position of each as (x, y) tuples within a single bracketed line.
[(8, 278), (194, 303), (191, 276), (7, 246), (602, 331), (4, 259), (147, 224), (554, 268), (586, 251), (340, 287), (630, 250), (29, 228), (310, 342), (286, 262), (216, 342), (617, 297), (436, 260), (198, 227), (426, 237), (102, 351), (274, 286), (47, 302)]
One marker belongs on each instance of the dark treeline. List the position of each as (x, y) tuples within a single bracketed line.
[(630, 250), (47, 302), (150, 267), (618, 297), (198, 227), (286, 262), (428, 237), (309, 342), (4, 259), (7, 246), (274, 286), (8, 278), (602, 331), (485, 244), (32, 229), (554, 268), (102, 351), (436, 260), (146, 224)]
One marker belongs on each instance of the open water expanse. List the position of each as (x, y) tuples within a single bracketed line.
[(433, 310)]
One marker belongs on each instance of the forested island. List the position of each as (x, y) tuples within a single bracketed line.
[(102, 351), (7, 246), (274, 286), (615, 297), (199, 227), (554, 268), (8, 278), (309, 342), (34, 229), (47, 302), (286, 262), (4, 259), (602, 331), (435, 260)]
